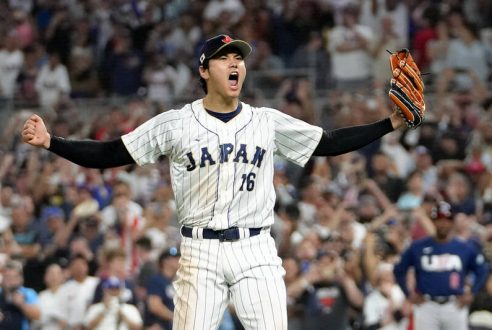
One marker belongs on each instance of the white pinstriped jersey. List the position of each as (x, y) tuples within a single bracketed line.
[(222, 173)]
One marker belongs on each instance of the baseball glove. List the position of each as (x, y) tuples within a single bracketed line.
[(407, 88)]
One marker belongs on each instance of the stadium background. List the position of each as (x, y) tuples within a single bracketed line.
[(120, 62)]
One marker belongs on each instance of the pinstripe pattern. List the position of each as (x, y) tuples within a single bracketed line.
[(249, 267), (222, 176), (211, 196)]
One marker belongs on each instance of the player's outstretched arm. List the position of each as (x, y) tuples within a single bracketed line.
[(34, 132), (86, 153)]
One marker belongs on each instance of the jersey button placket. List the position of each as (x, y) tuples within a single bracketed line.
[(226, 181)]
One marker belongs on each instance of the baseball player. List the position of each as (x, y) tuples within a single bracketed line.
[(442, 263), (221, 152)]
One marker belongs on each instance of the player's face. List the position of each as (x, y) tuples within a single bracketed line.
[(443, 227), (225, 74)]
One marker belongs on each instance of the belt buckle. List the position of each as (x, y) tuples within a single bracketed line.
[(441, 300), (229, 234)]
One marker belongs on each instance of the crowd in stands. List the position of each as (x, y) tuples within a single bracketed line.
[(98, 249)]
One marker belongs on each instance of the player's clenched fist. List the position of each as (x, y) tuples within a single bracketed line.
[(34, 132)]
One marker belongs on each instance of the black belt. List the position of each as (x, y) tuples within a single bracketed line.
[(440, 299), (229, 234)]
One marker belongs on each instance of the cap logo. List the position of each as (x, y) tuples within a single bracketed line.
[(226, 39), (202, 58)]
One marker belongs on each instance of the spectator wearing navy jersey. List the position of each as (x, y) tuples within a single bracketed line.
[(160, 292), (442, 263)]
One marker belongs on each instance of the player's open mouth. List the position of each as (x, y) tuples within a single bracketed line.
[(233, 79)]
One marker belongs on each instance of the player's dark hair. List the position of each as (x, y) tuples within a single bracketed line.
[(203, 83)]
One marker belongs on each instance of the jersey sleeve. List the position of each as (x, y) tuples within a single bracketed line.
[(480, 269), (402, 267), (30, 296), (295, 139), (154, 138)]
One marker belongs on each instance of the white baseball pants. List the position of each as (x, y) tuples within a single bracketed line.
[(247, 271), (433, 316)]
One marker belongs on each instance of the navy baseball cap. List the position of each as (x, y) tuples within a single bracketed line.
[(214, 45), (442, 210)]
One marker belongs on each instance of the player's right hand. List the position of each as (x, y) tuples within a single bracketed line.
[(416, 298), (34, 132)]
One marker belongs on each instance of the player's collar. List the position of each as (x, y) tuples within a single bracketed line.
[(212, 123)]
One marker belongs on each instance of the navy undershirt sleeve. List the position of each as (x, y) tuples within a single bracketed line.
[(92, 154), (343, 140)]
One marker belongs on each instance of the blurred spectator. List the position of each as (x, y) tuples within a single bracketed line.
[(263, 59), (28, 241), (312, 55), (388, 20), (387, 39), (424, 164), (295, 310), (349, 46), (115, 265), (52, 83), (437, 48), (466, 61), (80, 246), (424, 35), (458, 194), (11, 62), (160, 78), (18, 304), (8, 198), (449, 146), (122, 222), (159, 228), (50, 226), (81, 62), (24, 28), (385, 175), (309, 200), (441, 265), (160, 293), (383, 306), (123, 65), (414, 193), (111, 312), (78, 228), (231, 10), (327, 292), (291, 231), (147, 267), (376, 14), (58, 34), (53, 279), (75, 295), (399, 156), (481, 308)]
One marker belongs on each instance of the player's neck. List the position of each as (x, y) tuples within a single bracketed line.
[(442, 239), (218, 103)]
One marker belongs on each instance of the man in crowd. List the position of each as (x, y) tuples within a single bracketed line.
[(18, 304), (442, 263)]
